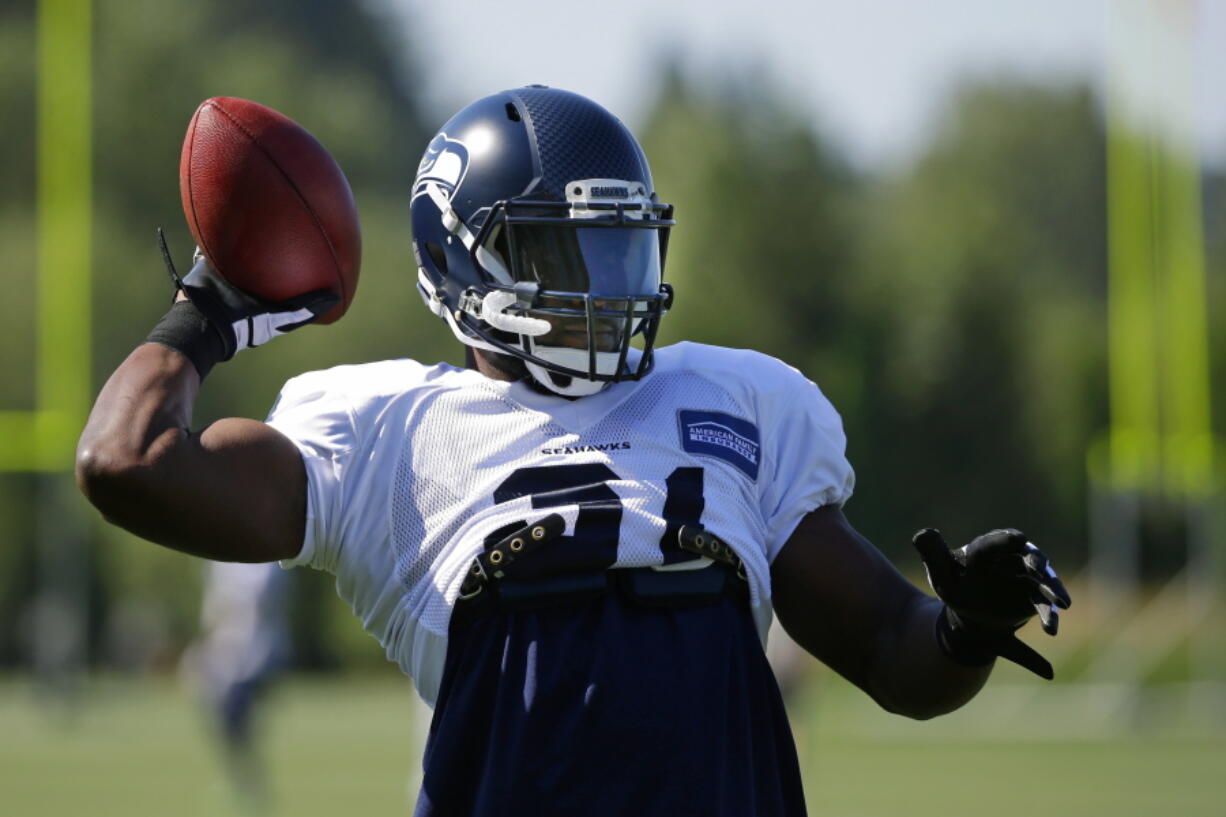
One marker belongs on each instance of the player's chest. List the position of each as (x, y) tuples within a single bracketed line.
[(639, 476)]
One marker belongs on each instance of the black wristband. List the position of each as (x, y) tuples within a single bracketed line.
[(961, 645), (185, 329)]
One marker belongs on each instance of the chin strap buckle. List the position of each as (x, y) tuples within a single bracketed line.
[(471, 303)]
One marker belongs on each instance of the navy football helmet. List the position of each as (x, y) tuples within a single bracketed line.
[(538, 234)]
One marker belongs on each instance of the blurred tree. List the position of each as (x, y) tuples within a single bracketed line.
[(17, 199), (985, 275), (765, 231)]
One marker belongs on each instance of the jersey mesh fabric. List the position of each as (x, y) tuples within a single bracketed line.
[(438, 476)]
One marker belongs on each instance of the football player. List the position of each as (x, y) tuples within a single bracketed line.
[(574, 546), (244, 644)]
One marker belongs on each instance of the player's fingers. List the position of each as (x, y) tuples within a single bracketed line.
[(1047, 603), (1044, 592), (1002, 541), (1053, 590), (932, 548), (1040, 569), (1024, 655), (1048, 617), (1063, 600), (1016, 539), (936, 555)]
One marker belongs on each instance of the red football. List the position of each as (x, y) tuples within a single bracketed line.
[(268, 204)]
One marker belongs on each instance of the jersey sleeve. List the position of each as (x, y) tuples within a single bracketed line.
[(321, 424), (804, 451)]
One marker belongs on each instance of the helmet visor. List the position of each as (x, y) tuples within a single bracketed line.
[(613, 262)]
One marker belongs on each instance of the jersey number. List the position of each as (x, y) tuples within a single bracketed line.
[(593, 545)]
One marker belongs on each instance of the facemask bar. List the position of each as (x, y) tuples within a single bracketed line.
[(639, 316)]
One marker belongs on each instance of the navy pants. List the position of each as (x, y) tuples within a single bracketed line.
[(607, 708)]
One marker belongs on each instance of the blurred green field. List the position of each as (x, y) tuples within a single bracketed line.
[(346, 747)]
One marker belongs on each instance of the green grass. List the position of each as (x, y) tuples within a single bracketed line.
[(337, 748), (134, 749)]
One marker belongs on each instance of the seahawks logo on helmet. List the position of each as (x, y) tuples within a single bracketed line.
[(444, 165)]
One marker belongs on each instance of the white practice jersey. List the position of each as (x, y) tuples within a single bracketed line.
[(410, 468)]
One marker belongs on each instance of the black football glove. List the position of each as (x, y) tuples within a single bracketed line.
[(243, 321), (991, 587)]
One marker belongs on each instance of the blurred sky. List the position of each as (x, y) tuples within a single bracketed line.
[(870, 73)]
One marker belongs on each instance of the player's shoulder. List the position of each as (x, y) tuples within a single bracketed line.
[(767, 388), (739, 368), (372, 380), (364, 388)]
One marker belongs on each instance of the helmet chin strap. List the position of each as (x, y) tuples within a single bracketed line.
[(453, 224), (577, 388), (570, 358)]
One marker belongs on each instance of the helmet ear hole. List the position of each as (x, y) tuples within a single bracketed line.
[(437, 256)]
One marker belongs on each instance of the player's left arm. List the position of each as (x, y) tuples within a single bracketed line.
[(845, 603)]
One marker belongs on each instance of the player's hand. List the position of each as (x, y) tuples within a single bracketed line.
[(991, 587), (244, 321)]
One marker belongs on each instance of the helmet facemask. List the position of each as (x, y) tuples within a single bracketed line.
[(571, 284)]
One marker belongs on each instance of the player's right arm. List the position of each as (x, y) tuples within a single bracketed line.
[(232, 491)]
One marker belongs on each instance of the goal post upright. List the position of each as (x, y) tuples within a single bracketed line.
[(42, 440), (65, 176), (1160, 449)]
